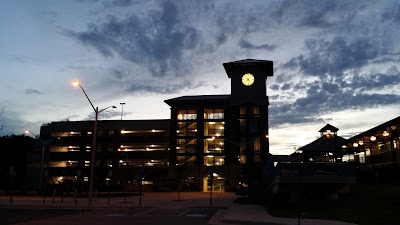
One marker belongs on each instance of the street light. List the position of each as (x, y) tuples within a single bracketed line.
[(212, 172), (125, 164), (298, 151), (41, 164), (122, 105), (94, 147)]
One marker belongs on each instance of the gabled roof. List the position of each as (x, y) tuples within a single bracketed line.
[(328, 127), (324, 144), (379, 128)]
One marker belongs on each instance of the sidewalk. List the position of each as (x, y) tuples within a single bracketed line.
[(228, 212), (255, 214)]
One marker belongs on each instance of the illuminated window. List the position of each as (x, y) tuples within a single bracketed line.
[(186, 129), (75, 133), (186, 145), (186, 160), (189, 114), (242, 110), (141, 132), (211, 160), (214, 145), (242, 159), (214, 129), (367, 151), (214, 114), (256, 111), (256, 144)]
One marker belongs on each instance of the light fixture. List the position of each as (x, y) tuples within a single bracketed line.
[(355, 145), (372, 138), (76, 83), (360, 142), (385, 133)]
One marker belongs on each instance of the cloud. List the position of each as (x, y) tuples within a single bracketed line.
[(342, 45), (342, 66), (248, 45), (158, 41), (117, 3), (376, 81), (106, 114), (309, 13), (357, 91), (10, 124), (21, 59), (127, 83), (163, 88), (335, 56), (392, 13), (31, 91)]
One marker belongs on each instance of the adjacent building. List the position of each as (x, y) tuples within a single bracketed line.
[(315, 170), (327, 148), (126, 150), (376, 151)]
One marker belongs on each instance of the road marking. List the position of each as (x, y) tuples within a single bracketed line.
[(144, 212), (196, 215), (184, 212), (116, 214)]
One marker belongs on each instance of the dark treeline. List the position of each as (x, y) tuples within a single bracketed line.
[(13, 154)]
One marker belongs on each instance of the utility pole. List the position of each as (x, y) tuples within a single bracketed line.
[(122, 105)]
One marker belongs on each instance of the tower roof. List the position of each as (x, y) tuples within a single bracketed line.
[(266, 64), (328, 127)]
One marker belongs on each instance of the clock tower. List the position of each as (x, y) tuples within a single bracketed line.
[(248, 80), (249, 117)]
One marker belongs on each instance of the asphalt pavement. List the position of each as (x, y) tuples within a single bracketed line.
[(227, 212)]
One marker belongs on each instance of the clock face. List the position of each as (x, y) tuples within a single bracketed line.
[(248, 79)]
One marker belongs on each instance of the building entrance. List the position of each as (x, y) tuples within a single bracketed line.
[(217, 183)]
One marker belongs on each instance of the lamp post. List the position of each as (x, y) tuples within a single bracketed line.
[(126, 166), (212, 173), (41, 164), (94, 147), (298, 183), (122, 105)]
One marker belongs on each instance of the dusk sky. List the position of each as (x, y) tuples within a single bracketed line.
[(335, 62)]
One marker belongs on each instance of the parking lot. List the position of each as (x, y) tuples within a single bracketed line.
[(105, 216)]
